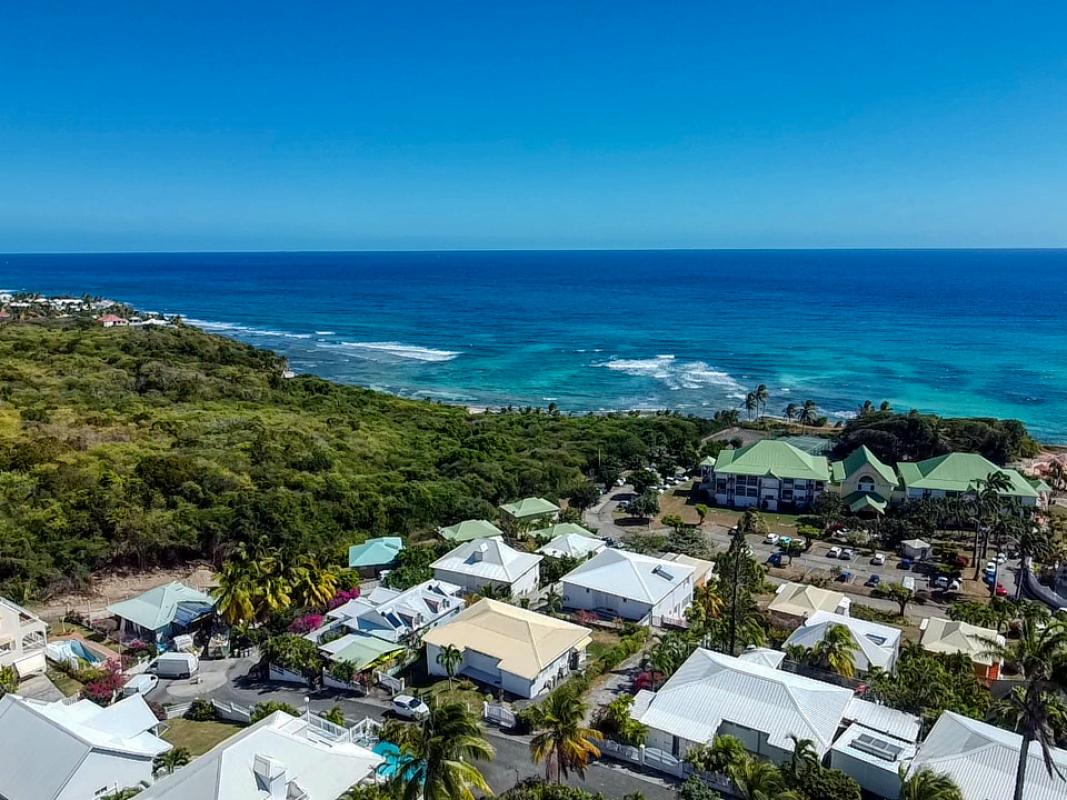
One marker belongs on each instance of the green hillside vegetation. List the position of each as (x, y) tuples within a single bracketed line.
[(154, 446)]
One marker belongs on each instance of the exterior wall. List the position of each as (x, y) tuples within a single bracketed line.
[(108, 771), (485, 668), (852, 482), (673, 606), (26, 649), (881, 782), (755, 742), (771, 494), (583, 599), (523, 585)]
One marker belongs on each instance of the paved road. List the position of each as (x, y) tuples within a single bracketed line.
[(512, 762)]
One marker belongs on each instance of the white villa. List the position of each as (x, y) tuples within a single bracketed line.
[(618, 583), (75, 751), (876, 645), (572, 545), (281, 757), (482, 563), (395, 615), (23, 639), (509, 648)]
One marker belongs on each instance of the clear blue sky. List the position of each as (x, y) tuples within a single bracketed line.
[(384, 125)]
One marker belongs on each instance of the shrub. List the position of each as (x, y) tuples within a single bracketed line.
[(306, 623), (262, 710), (695, 789), (201, 710)]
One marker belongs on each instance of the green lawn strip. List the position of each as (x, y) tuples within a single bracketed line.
[(198, 737)]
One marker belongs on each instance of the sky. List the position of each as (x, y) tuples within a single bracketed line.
[(406, 125)]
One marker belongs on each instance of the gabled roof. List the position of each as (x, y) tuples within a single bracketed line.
[(561, 529), (703, 570), (879, 643), (625, 574), (775, 459), (1040, 485), (801, 600), (949, 636), (45, 745), (157, 608), (390, 614), (959, 472), (982, 760), (488, 559), (763, 655), (530, 507), (362, 650), (277, 746), (859, 458), (523, 641), (707, 461), (857, 502), (710, 688), (572, 545), (470, 529), (375, 552)]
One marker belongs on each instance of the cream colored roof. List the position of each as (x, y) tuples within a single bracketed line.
[(524, 641), (948, 636), (800, 600), (702, 569)]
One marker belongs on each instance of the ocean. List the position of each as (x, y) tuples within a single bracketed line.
[(958, 332)]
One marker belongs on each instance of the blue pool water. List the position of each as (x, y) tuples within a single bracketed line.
[(961, 332), (67, 649)]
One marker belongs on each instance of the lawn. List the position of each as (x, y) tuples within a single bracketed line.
[(198, 737), (463, 691), (602, 642), (64, 682)]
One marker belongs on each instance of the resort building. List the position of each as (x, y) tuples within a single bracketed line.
[(509, 648), (770, 475), (982, 760), (572, 545), (798, 600), (958, 474), (876, 645), (529, 510), (864, 482), (374, 555), (23, 639), (75, 751), (490, 564), (469, 530), (281, 757), (160, 614), (625, 585), (949, 636), (395, 616)]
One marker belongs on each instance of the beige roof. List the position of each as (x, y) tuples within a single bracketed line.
[(524, 641), (948, 636), (801, 600), (702, 570)]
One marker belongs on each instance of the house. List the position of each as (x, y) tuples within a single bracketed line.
[(363, 651), (801, 600), (950, 636), (561, 529), (75, 751), (395, 616), (617, 583), (527, 511), (770, 475), (281, 757), (161, 613), (509, 648), (112, 321), (375, 554), (470, 529), (959, 474), (23, 639), (864, 482), (705, 469), (489, 563), (876, 645), (703, 570), (873, 759), (572, 545), (916, 549), (1044, 491), (763, 655), (982, 760)]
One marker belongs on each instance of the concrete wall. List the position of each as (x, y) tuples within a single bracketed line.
[(583, 599), (881, 782), (486, 669), (525, 584), (107, 771)]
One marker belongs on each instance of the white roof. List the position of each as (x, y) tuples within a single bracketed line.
[(279, 747), (898, 724), (43, 746), (879, 643), (572, 545), (982, 759), (950, 636), (625, 574), (763, 655), (916, 544), (880, 751), (390, 615), (488, 559), (801, 600), (711, 688)]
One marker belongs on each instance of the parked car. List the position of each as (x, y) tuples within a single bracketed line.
[(140, 684), (879, 559), (905, 564), (874, 580), (175, 665), (771, 538), (1001, 558), (833, 552), (844, 577), (988, 578), (991, 567), (941, 582), (775, 559), (1001, 591), (408, 707), (846, 554)]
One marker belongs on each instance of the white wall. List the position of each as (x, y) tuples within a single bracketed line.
[(525, 584), (488, 666), (106, 771), (676, 602), (882, 782), (583, 599)]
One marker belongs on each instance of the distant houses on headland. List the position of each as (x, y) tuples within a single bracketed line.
[(25, 307)]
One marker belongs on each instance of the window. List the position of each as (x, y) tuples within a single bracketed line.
[(866, 484)]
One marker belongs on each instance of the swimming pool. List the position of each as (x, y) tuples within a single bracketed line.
[(72, 650)]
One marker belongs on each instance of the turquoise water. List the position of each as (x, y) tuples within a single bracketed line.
[(954, 331)]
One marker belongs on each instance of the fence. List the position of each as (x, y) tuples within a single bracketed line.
[(395, 685), (232, 712), (663, 762), (335, 683), (178, 710), (498, 715)]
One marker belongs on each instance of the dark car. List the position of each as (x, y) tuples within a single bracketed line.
[(775, 560), (844, 577), (874, 580), (905, 563)]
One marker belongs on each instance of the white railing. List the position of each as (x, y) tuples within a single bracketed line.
[(498, 715), (177, 710), (662, 761), (232, 712)]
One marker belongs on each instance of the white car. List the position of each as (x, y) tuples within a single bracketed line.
[(408, 707), (879, 559), (140, 684), (1002, 559), (991, 567), (846, 554), (771, 538), (834, 552)]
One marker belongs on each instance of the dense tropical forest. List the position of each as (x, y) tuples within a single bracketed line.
[(144, 446)]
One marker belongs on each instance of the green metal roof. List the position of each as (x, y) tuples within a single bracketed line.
[(562, 529), (859, 458), (775, 459), (157, 608), (375, 552), (530, 507), (863, 501), (364, 651), (959, 472), (1039, 485), (470, 529)]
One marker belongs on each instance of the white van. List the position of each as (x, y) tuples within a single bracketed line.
[(175, 665)]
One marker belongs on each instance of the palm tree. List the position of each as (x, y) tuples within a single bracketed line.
[(311, 586), (437, 762), (751, 404), (925, 784), (792, 411), (721, 756), (166, 763), (804, 755), (450, 657), (336, 715), (837, 651), (564, 743), (553, 602), (760, 780), (762, 395), (235, 595), (809, 413), (866, 409), (885, 406)]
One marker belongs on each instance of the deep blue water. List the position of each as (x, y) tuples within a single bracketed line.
[(957, 332)]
